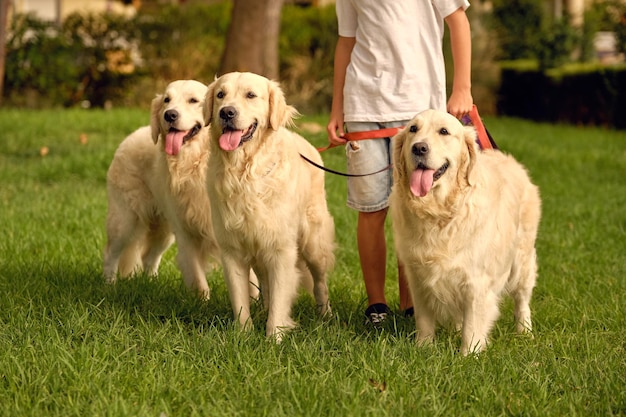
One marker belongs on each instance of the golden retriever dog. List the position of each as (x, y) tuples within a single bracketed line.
[(465, 223), (156, 190), (268, 204)]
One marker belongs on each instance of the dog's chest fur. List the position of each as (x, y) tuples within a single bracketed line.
[(455, 242), (248, 197), (185, 176)]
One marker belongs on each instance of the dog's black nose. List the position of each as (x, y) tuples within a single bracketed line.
[(170, 116), (420, 149), (228, 113)]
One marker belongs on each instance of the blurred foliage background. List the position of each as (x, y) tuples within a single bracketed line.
[(106, 60)]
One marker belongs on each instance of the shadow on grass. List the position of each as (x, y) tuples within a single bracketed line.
[(61, 289)]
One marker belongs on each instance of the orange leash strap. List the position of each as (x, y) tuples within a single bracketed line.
[(485, 141), (484, 138), (370, 134)]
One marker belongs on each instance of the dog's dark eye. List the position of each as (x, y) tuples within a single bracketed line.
[(193, 100), (220, 94), (443, 131), (413, 129), (166, 100), (251, 95)]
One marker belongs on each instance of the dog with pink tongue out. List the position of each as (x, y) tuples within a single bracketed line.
[(465, 223), (156, 187), (268, 204)]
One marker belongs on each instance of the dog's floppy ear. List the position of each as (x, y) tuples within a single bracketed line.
[(207, 106), (280, 113), (397, 157), (469, 135), (155, 125)]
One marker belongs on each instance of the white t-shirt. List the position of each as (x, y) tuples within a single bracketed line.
[(397, 67)]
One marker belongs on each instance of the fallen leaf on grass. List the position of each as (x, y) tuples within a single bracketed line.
[(380, 386)]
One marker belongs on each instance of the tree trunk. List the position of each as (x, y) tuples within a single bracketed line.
[(4, 16), (252, 38)]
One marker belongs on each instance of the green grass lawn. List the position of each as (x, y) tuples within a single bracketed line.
[(72, 346)]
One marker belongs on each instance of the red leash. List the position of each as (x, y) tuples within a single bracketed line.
[(356, 136), (484, 139), (368, 134)]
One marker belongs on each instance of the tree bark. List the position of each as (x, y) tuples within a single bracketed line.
[(252, 38), (4, 17)]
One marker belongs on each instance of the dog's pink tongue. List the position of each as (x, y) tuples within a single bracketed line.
[(229, 141), (421, 181), (173, 142)]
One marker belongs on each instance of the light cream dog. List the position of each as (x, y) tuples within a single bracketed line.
[(268, 204), (156, 190), (465, 223)]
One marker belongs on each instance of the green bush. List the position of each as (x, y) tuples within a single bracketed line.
[(307, 47), (51, 66), (612, 17), (525, 31), (108, 58), (557, 43), (39, 62), (105, 59), (517, 24), (581, 94), (179, 42)]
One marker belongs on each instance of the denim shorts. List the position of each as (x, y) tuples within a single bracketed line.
[(369, 193)]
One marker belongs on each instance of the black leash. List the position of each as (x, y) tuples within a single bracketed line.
[(332, 171)]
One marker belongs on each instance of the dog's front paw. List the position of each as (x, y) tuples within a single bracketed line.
[(277, 333), (424, 339), (473, 346)]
